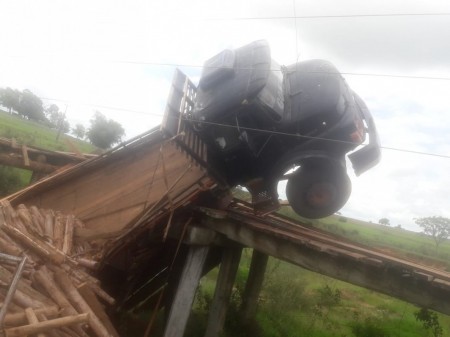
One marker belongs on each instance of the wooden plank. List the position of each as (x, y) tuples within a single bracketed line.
[(109, 197), (185, 293), (17, 161), (36, 328), (225, 280), (387, 278), (20, 317), (32, 319), (254, 284), (80, 304), (91, 299)]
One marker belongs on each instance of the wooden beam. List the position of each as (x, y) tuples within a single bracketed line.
[(36, 328), (32, 319), (388, 278), (26, 160), (254, 284), (20, 162), (225, 280), (91, 299), (185, 293)]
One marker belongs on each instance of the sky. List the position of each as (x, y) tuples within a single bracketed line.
[(118, 57)]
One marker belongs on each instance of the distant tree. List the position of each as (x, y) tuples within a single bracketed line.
[(437, 227), (384, 221), (53, 115), (79, 131), (64, 125), (31, 107), (9, 98), (104, 132)]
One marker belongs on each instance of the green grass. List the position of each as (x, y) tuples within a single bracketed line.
[(402, 243), (292, 301), (35, 134), (31, 134), (295, 302)]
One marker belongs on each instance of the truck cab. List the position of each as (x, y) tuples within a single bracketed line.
[(265, 122)]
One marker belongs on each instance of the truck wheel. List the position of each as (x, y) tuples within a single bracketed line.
[(318, 193)]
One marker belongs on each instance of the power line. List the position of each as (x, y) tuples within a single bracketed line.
[(185, 65), (438, 155), (179, 65), (316, 138), (312, 17)]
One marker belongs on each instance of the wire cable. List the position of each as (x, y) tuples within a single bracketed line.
[(180, 65), (337, 16), (317, 138), (272, 132)]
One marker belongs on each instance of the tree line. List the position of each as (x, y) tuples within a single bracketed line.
[(102, 132)]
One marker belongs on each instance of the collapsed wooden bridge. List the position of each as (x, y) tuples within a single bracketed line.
[(147, 220)]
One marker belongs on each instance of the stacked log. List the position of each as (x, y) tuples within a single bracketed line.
[(55, 293)]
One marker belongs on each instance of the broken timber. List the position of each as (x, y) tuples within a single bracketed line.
[(45, 295), (124, 189), (38, 160)]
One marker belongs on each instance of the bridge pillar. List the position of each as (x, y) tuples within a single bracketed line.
[(184, 296), (227, 273), (254, 284)]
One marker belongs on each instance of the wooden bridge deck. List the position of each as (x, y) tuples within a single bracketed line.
[(328, 255)]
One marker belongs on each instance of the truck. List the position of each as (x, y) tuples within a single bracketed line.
[(265, 123)]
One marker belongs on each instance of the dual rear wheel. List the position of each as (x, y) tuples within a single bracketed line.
[(316, 191)]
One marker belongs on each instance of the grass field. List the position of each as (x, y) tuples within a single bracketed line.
[(296, 302), (31, 134), (403, 243), (35, 134)]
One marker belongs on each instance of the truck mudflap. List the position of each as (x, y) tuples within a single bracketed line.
[(368, 156)]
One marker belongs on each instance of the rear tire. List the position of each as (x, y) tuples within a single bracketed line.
[(319, 191)]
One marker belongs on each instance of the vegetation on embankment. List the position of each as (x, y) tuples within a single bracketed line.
[(35, 134), (296, 302), (395, 240), (32, 134)]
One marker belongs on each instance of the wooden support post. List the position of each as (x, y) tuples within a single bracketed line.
[(225, 280), (26, 160), (253, 285), (184, 296)]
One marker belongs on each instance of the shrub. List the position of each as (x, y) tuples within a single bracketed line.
[(10, 181), (329, 297), (430, 321), (370, 327)]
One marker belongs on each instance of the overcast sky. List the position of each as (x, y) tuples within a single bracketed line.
[(91, 55)]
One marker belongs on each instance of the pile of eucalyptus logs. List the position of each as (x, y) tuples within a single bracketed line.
[(46, 286)]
